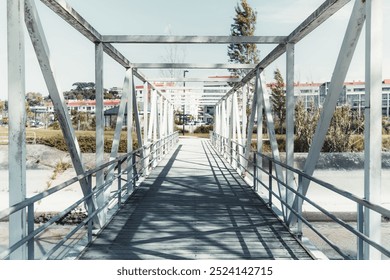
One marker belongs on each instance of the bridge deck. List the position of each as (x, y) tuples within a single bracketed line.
[(194, 206)]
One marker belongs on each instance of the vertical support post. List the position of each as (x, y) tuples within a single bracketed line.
[(223, 126), (245, 91), (130, 122), (146, 106), (17, 123), (99, 114), (259, 134), (155, 130), (239, 150), (373, 123), (160, 126), (232, 130), (290, 110)]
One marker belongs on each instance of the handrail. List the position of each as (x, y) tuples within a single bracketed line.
[(220, 143), (170, 141)]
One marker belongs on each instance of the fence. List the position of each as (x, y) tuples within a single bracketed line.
[(254, 169), (137, 163)]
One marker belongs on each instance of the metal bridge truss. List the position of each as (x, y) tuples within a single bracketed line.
[(230, 136)]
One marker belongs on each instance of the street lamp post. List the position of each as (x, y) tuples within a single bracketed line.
[(184, 90)]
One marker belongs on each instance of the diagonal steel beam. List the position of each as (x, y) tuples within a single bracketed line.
[(39, 42), (265, 96), (325, 11), (74, 19), (344, 59)]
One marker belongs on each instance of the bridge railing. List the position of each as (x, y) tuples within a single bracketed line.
[(122, 165), (255, 169)]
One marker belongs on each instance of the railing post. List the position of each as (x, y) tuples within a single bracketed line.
[(270, 182), (146, 159), (360, 228), (90, 209), (154, 157), (299, 210), (30, 229), (255, 171), (119, 184), (135, 171)]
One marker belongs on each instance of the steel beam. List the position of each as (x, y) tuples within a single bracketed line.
[(99, 115), (373, 124), (290, 112), (39, 43), (251, 124), (325, 11), (191, 66), (119, 122), (272, 138), (179, 79), (130, 120), (146, 109), (164, 39), (137, 121), (17, 124), (245, 91), (74, 19), (259, 135), (344, 59)]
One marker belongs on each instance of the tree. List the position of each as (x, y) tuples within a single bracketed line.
[(305, 125), (278, 99), (34, 99), (244, 25)]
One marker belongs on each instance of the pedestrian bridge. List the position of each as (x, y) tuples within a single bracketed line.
[(194, 205), (186, 198)]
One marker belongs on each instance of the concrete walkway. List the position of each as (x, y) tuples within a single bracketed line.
[(194, 206)]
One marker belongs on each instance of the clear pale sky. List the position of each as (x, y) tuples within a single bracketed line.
[(73, 55)]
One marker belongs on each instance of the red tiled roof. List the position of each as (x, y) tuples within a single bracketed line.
[(75, 103)]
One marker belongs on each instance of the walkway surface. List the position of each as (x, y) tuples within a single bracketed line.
[(195, 206)]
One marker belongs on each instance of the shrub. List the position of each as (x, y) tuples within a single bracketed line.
[(204, 129)]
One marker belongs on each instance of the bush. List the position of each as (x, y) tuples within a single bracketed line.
[(204, 129), (87, 143)]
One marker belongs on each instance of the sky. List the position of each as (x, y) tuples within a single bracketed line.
[(73, 55)]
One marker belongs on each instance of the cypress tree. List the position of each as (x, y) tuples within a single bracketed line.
[(244, 25)]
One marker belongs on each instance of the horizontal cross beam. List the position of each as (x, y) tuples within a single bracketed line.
[(230, 80), (156, 39), (191, 66)]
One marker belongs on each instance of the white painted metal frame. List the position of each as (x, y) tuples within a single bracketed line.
[(17, 120), (227, 121), (336, 85), (151, 39), (373, 124)]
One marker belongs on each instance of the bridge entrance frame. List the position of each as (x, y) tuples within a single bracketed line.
[(160, 122)]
